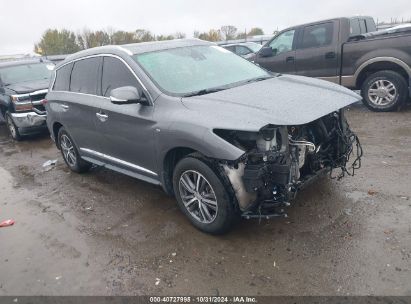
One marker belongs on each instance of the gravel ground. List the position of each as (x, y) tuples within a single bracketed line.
[(103, 233)]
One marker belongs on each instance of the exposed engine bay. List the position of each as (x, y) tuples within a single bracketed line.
[(280, 160)]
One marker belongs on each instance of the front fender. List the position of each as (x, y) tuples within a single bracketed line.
[(198, 138)]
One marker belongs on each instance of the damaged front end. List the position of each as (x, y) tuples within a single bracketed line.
[(280, 160)]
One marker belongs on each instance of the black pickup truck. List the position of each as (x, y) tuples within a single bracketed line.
[(23, 87), (346, 51)]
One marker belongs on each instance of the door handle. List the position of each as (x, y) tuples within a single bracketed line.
[(102, 117), (330, 55), (289, 59)]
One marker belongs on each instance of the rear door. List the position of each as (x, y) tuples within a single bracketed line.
[(317, 51), (79, 101), (283, 57), (127, 129)]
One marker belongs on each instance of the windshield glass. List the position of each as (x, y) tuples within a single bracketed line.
[(255, 47), (182, 71), (24, 73)]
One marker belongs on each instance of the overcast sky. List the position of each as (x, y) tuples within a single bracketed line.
[(23, 21)]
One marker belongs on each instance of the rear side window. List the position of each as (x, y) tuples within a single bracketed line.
[(115, 75), (318, 35), (363, 27), (85, 75), (355, 29), (62, 82)]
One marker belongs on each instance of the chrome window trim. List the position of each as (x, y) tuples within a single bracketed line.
[(86, 94), (101, 55), (117, 160)]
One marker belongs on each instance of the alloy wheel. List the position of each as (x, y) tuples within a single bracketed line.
[(382, 92), (11, 127), (67, 148), (198, 196)]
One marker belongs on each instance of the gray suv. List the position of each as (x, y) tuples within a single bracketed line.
[(225, 137)]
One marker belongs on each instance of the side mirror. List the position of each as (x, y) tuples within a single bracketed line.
[(266, 52), (125, 95)]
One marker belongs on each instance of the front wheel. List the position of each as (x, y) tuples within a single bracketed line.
[(384, 91), (203, 197), (13, 130), (70, 153)]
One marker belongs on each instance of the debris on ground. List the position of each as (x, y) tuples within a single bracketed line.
[(372, 192), (348, 211), (157, 281), (7, 223), (50, 164)]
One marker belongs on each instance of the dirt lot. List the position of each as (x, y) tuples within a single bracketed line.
[(103, 233)]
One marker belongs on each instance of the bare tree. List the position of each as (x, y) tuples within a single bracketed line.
[(229, 32)]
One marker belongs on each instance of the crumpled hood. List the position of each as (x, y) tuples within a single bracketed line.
[(282, 100), (29, 87)]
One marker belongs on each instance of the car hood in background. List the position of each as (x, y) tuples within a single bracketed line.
[(282, 100), (28, 87)]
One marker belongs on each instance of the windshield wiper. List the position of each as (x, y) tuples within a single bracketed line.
[(259, 79), (204, 92)]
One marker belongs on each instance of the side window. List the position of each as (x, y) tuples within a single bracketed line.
[(371, 27), (318, 35), (62, 82), (355, 29), (283, 43), (115, 75), (242, 50), (230, 48), (363, 27), (85, 75)]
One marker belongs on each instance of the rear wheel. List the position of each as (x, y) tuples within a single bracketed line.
[(70, 153), (13, 130), (384, 91), (202, 196)]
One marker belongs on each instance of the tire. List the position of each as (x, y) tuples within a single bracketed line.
[(219, 217), (70, 153), (12, 128), (384, 91)]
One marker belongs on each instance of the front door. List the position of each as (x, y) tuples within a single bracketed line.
[(283, 57), (127, 129), (317, 53)]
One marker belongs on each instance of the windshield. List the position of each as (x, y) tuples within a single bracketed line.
[(255, 47), (182, 71), (27, 72)]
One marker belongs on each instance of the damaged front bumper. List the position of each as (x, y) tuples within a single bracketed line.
[(280, 161), (28, 121)]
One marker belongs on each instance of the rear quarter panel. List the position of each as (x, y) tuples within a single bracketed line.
[(358, 52)]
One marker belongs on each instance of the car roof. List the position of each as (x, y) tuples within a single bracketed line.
[(137, 48), (17, 62), (325, 20)]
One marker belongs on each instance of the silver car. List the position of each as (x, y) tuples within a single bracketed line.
[(225, 137)]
